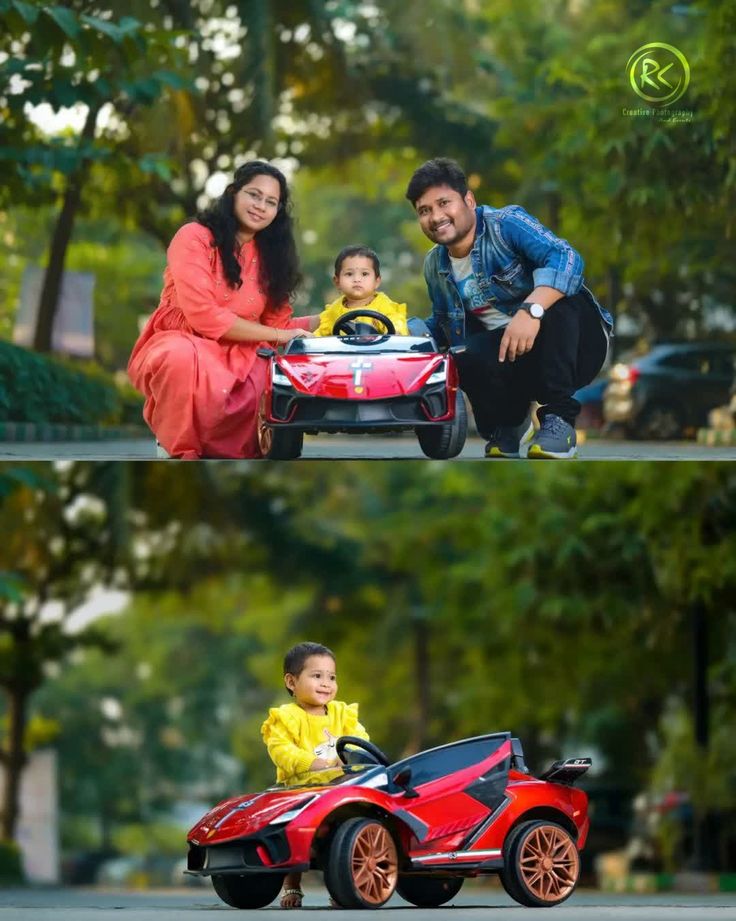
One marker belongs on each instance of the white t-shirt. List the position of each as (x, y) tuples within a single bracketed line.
[(473, 300)]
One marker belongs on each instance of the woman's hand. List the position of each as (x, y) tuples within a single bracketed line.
[(286, 335)]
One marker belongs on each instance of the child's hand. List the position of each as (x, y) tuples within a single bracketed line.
[(323, 764)]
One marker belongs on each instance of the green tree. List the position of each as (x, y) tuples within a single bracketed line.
[(65, 58), (58, 544)]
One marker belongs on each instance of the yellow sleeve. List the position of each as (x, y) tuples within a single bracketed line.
[(350, 725), (327, 318), (398, 315), (395, 312), (280, 733)]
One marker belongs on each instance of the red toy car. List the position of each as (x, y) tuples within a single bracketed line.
[(359, 380), (417, 827)]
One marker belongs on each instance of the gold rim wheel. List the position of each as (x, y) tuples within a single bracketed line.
[(549, 863), (374, 864), (265, 433)]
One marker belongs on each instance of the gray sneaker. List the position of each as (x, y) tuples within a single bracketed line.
[(510, 440), (555, 439)]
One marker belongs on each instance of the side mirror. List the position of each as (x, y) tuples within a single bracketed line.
[(403, 780), (265, 352)]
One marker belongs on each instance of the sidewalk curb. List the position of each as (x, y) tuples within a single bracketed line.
[(53, 431), (715, 437), (669, 882)]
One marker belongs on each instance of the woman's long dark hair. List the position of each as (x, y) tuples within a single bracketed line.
[(279, 264)]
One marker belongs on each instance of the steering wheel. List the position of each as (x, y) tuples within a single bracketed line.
[(345, 326), (368, 747)]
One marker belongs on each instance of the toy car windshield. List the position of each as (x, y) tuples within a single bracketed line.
[(330, 345), (355, 773)]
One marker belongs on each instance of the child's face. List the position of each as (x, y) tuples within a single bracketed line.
[(357, 278), (315, 685)]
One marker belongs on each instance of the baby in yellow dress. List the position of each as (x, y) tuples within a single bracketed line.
[(357, 277), (301, 736)]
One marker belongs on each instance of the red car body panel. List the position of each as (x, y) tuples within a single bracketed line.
[(348, 377)]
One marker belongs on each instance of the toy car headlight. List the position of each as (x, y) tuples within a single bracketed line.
[(439, 376), (279, 378), (292, 813)]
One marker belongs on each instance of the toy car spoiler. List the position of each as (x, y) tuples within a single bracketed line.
[(567, 771)]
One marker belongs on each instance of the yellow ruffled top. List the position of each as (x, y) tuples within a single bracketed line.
[(381, 302), (294, 738)]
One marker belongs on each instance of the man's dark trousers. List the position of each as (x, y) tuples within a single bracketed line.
[(568, 352)]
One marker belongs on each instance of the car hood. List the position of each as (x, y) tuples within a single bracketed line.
[(244, 815), (357, 377)]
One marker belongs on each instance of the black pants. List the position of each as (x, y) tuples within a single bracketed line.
[(567, 354)]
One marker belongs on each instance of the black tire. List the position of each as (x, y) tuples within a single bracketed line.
[(256, 890), (441, 442), (659, 422), (277, 443), (343, 878), (286, 444), (524, 875), (429, 891)]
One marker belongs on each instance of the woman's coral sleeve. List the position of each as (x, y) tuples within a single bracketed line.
[(281, 318), (191, 263), (282, 749)]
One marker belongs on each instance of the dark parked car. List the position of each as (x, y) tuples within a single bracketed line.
[(670, 389)]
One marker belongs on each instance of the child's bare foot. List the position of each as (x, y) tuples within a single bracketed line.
[(291, 898)]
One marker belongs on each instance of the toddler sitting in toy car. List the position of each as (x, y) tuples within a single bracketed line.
[(357, 277), (301, 736)]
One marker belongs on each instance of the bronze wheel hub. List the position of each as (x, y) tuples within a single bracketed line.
[(549, 863), (265, 435), (374, 863)]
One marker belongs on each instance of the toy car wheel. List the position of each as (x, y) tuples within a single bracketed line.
[(541, 864), (429, 891), (363, 865), (277, 444), (255, 890), (444, 441)]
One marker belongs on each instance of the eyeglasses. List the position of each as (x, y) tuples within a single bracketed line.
[(259, 199)]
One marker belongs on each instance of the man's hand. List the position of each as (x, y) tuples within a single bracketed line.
[(519, 336)]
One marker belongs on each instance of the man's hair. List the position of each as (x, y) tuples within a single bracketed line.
[(296, 658), (439, 171), (357, 249)]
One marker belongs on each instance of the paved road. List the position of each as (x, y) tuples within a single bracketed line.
[(344, 447), (479, 904)]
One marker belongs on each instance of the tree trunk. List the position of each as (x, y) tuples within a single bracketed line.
[(420, 627), (261, 38), (14, 760), (701, 719), (59, 243)]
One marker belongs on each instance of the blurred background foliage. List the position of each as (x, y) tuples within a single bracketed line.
[(559, 604), (350, 97)]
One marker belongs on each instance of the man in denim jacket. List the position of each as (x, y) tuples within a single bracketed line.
[(510, 294)]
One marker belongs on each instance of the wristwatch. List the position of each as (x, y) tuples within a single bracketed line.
[(534, 310)]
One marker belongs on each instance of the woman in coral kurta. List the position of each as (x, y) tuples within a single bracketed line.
[(227, 284)]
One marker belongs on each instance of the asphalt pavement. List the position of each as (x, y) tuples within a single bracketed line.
[(477, 904), (373, 447)]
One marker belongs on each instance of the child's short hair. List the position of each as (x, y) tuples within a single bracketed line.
[(439, 171), (296, 658), (357, 249)]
